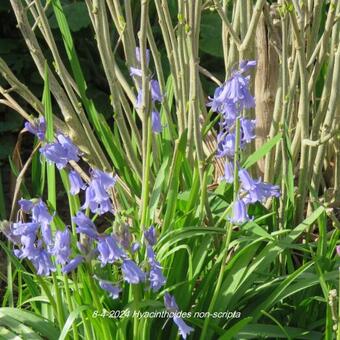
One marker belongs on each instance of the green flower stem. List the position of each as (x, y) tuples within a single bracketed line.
[(47, 291), (146, 180), (59, 301), (145, 114), (236, 157), (136, 292), (70, 306), (98, 305), (86, 321), (229, 232)]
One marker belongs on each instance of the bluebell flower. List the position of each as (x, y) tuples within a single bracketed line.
[(183, 329), (26, 205), (147, 55), (134, 71), (132, 273), (269, 190), (239, 213), (156, 277), (235, 87), (25, 228), (76, 182), (134, 247), (156, 94), (42, 262), (228, 172), (220, 99), (171, 306), (261, 192), (113, 290), (156, 122), (170, 303), (105, 179), (28, 248), (96, 197), (247, 181), (124, 236), (41, 215), (150, 236), (234, 94), (246, 64), (60, 152), (85, 225), (248, 129), (223, 104), (215, 101), (38, 128), (230, 113), (238, 91), (226, 145), (73, 264), (71, 151), (139, 99), (256, 191), (62, 249), (109, 251)]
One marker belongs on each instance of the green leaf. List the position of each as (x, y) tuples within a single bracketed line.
[(18, 327), (262, 151), (277, 294), (39, 325), (159, 183), (77, 16), (235, 329), (70, 320), (297, 231), (210, 34), (261, 331), (46, 100)]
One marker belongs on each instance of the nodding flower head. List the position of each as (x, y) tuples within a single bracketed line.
[(60, 152), (62, 246), (73, 264), (42, 262), (38, 127), (85, 225), (109, 251), (138, 55), (239, 214), (132, 273), (76, 182), (110, 288), (150, 236), (26, 205), (171, 306), (156, 277), (97, 198)]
